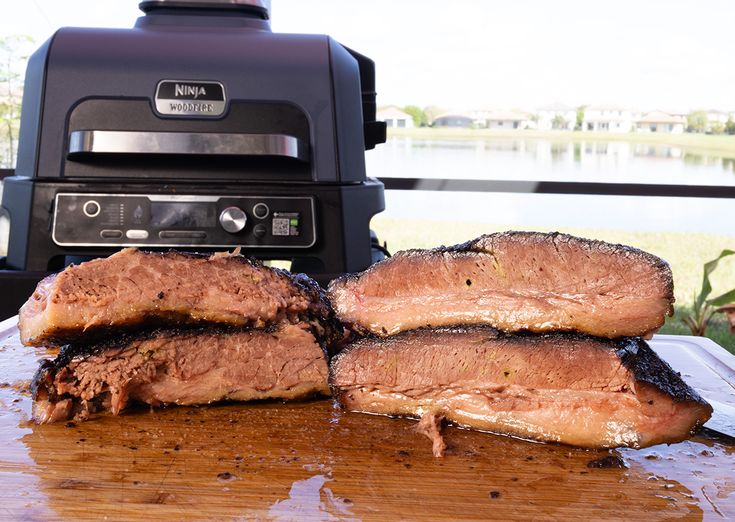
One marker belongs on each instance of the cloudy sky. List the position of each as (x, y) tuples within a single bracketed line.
[(653, 54)]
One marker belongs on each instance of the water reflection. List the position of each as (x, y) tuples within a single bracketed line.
[(542, 159), (310, 499)]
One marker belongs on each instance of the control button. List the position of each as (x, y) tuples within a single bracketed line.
[(233, 219), (261, 211), (91, 208), (136, 234), (260, 230), (182, 234), (111, 234)]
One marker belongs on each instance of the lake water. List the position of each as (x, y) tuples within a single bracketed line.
[(544, 160)]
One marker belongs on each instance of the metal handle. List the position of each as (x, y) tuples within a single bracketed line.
[(261, 6), (150, 142)]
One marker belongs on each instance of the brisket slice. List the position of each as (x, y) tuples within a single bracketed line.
[(513, 281), (566, 388), (195, 366), (133, 288)]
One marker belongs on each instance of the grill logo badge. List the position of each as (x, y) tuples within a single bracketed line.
[(189, 90), (190, 98)]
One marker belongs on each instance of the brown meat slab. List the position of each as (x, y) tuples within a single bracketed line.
[(197, 366), (133, 288), (565, 388), (513, 281)]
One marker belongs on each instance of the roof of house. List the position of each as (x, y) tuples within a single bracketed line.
[(660, 117), (602, 108), (506, 116), (454, 115), (392, 113)]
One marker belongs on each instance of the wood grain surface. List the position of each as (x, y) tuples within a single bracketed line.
[(311, 461)]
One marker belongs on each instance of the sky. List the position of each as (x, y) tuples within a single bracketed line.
[(477, 54)]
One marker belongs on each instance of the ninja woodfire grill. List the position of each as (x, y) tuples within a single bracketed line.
[(198, 129)]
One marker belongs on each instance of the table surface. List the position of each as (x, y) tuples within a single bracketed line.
[(311, 461)]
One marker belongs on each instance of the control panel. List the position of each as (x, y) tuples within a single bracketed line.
[(157, 220)]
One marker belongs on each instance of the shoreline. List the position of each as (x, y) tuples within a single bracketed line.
[(705, 144)]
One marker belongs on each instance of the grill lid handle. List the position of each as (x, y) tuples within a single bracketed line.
[(85, 142), (261, 8)]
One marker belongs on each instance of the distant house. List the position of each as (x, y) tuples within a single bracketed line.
[(607, 119), (395, 117), (506, 120), (714, 117), (658, 121), (556, 116), (453, 120), (716, 120)]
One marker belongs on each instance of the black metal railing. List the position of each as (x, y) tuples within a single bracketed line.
[(546, 187), (560, 187)]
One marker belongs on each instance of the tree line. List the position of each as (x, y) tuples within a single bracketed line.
[(14, 51)]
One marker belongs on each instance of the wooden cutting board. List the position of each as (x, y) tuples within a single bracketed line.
[(310, 461)]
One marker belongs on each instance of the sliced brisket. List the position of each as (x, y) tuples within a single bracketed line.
[(133, 288), (566, 388), (513, 281), (195, 366)]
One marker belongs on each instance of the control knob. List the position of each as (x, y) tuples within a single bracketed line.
[(233, 219)]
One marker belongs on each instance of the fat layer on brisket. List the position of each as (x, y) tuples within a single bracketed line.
[(565, 388), (513, 281), (133, 288), (196, 366)]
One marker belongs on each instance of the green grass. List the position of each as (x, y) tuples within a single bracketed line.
[(685, 252), (718, 330), (702, 144)]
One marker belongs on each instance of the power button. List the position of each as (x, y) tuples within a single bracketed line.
[(91, 208)]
